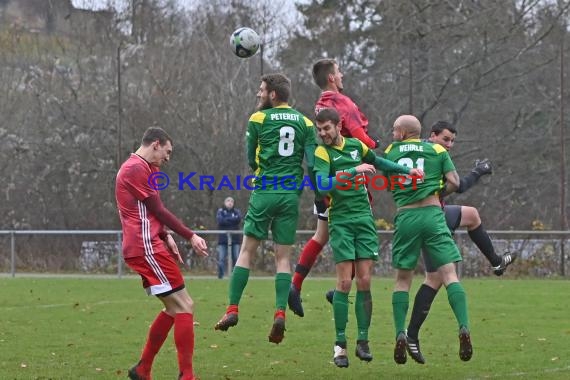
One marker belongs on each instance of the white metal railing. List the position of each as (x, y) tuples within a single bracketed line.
[(561, 235)]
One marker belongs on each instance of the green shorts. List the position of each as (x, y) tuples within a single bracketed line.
[(279, 211), (418, 228), (354, 239)]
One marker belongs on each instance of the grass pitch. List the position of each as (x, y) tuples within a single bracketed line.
[(94, 328)]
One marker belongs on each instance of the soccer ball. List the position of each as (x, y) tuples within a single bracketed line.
[(245, 42)]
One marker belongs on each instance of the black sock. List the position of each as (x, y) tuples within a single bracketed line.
[(481, 238), (302, 270), (422, 304), (340, 344)]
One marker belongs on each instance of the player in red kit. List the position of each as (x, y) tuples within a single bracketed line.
[(151, 251), (353, 123)]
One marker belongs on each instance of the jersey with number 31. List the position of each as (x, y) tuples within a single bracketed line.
[(276, 141), (433, 159)]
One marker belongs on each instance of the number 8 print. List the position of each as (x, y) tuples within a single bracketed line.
[(286, 141)]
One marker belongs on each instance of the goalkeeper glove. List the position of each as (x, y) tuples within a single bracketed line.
[(376, 141), (322, 204), (482, 167)]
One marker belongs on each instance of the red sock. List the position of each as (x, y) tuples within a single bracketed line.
[(306, 261), (232, 309), (184, 340), (156, 336), (279, 313)]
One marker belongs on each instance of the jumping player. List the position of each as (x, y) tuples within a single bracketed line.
[(278, 137), (456, 216), (352, 230), (420, 223), (354, 123)]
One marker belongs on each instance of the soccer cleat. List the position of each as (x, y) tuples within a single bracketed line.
[(329, 296), (363, 351), (227, 321), (277, 332), (507, 259), (340, 358), (413, 348), (134, 375), (400, 356), (295, 301), (465, 347)]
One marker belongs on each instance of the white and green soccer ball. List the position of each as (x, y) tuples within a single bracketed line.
[(245, 42)]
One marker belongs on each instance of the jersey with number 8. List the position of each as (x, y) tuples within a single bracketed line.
[(433, 159), (276, 141)]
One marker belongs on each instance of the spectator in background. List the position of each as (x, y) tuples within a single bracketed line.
[(228, 218)]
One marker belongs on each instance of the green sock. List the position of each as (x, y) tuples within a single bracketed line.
[(400, 304), (363, 310), (282, 285), (458, 302), (340, 308), (240, 275)]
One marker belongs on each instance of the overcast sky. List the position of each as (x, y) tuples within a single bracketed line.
[(121, 4), (98, 4)]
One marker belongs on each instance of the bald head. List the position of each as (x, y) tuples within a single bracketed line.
[(408, 127)]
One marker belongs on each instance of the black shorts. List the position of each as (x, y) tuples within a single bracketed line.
[(452, 216), (453, 219)]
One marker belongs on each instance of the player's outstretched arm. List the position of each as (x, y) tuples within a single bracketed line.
[(327, 184), (383, 164), (481, 168)]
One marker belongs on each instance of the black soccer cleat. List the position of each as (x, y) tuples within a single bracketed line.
[(400, 356), (362, 351), (134, 375), (295, 302), (465, 347), (227, 321), (413, 348), (329, 296), (340, 358), (507, 259), (277, 332)]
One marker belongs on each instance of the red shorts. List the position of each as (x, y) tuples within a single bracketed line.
[(159, 273)]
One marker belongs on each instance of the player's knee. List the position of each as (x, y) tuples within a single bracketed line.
[(433, 280), (363, 282), (470, 217), (344, 284), (186, 305), (178, 302)]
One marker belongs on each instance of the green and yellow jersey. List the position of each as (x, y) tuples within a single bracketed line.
[(348, 194), (277, 139), (432, 158)]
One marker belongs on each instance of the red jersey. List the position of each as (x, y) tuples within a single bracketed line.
[(140, 228), (354, 122)]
